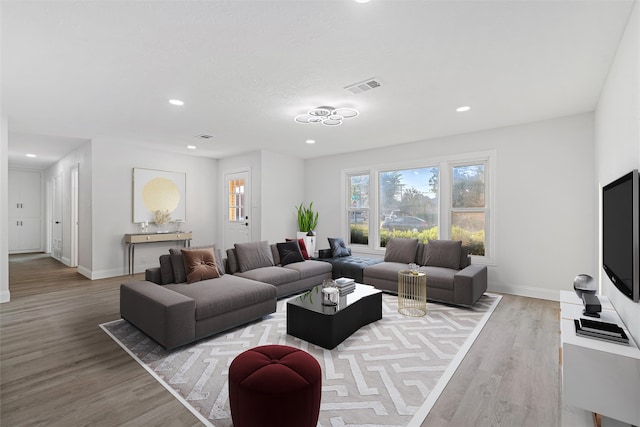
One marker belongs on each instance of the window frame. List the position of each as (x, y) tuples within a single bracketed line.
[(484, 210), (445, 167), (349, 209)]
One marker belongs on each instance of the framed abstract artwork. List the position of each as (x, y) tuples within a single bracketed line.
[(158, 196)]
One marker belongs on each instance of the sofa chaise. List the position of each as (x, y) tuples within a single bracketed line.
[(174, 312)]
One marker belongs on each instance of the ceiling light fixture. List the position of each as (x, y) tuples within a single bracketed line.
[(310, 141), (191, 147), (31, 155), (463, 109), (328, 116), (362, 1), (176, 102)]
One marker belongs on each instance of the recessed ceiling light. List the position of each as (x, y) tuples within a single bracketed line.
[(362, 1), (463, 109), (191, 147), (310, 141), (176, 102), (31, 155)]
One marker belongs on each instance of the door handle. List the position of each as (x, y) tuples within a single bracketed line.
[(246, 224)]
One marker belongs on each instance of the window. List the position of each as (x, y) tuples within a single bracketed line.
[(420, 202), (408, 204), (358, 211), (468, 207)]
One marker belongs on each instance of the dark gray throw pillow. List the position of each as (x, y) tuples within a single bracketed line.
[(443, 253), (401, 250), (289, 252), (338, 247), (253, 255)]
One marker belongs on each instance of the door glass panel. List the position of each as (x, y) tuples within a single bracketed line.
[(236, 200)]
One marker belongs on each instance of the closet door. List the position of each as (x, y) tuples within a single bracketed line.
[(25, 195)]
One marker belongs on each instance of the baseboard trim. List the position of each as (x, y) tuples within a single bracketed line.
[(525, 291), (5, 296)]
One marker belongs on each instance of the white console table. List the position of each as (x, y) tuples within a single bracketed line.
[(139, 238), (599, 376)]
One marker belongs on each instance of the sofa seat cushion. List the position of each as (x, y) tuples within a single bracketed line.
[(309, 268), (439, 277), (385, 270), (273, 275), (224, 294)]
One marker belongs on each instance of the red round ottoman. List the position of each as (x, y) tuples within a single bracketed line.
[(274, 385)]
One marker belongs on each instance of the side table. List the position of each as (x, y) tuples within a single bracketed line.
[(412, 293), (140, 238)]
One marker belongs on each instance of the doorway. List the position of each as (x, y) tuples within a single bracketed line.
[(75, 189), (237, 221)]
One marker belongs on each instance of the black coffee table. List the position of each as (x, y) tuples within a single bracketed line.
[(328, 326)]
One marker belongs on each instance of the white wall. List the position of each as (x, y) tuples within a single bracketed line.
[(617, 136), (5, 296), (112, 203), (545, 218), (277, 185), (282, 191)]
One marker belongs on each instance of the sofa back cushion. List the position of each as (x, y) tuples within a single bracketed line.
[(465, 261), (232, 261), (253, 255), (443, 253), (401, 250), (166, 270)]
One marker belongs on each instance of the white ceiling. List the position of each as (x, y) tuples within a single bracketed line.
[(76, 70)]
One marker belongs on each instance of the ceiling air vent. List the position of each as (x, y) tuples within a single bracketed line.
[(363, 86), (203, 136)]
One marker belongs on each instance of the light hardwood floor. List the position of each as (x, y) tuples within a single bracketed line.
[(58, 368)]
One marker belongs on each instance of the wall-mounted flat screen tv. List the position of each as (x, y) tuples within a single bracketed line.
[(621, 234)]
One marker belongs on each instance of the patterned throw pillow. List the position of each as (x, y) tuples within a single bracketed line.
[(200, 264), (289, 252)]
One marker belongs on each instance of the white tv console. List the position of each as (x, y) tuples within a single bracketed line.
[(599, 376)]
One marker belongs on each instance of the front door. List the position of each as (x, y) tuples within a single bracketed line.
[(238, 205)]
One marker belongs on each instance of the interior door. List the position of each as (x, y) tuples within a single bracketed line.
[(75, 187), (237, 228), (56, 226)]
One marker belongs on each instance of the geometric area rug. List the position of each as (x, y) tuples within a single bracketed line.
[(388, 373)]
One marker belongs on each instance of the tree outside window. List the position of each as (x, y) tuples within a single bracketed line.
[(468, 207), (358, 211), (408, 204)]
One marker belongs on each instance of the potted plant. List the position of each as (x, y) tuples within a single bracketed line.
[(307, 218), (307, 222)]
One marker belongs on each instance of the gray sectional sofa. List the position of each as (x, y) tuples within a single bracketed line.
[(451, 278), (177, 305), (174, 312)]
